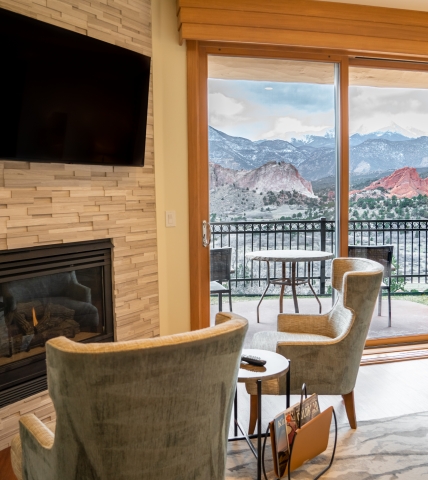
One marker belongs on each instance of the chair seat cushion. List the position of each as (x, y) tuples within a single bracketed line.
[(268, 340), (217, 287)]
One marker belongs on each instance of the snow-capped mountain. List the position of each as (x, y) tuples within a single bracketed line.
[(393, 127), (357, 138)]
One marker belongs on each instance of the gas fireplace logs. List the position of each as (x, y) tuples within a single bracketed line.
[(32, 324)]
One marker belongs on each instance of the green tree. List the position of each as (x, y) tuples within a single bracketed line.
[(397, 283)]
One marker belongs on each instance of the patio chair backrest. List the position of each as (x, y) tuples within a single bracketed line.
[(379, 253), (220, 263)]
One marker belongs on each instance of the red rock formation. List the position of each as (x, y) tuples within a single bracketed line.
[(403, 183)]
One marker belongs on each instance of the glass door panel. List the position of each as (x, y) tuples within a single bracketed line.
[(273, 155), (388, 198)]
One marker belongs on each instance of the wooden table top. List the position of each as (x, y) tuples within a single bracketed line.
[(289, 255), (276, 366)]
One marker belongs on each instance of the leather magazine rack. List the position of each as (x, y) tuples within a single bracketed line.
[(309, 441)]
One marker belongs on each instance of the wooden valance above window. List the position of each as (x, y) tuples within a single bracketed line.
[(346, 28)]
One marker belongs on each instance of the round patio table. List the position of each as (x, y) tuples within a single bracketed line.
[(292, 257)]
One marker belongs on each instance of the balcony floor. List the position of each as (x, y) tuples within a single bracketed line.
[(408, 318)]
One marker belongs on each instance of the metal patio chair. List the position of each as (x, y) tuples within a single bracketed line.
[(220, 270), (383, 255)]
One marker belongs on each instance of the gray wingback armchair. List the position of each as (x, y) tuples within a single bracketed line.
[(153, 408), (325, 350)]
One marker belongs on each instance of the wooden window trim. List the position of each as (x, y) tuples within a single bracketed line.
[(197, 69), (306, 23)]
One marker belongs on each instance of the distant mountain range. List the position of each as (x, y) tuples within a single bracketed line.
[(242, 154), (314, 156)]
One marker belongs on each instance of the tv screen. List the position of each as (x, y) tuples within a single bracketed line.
[(69, 98)]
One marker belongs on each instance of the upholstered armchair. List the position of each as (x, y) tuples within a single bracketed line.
[(153, 408), (325, 350)]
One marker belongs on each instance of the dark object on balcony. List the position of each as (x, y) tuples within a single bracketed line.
[(220, 270), (383, 255), (57, 289)]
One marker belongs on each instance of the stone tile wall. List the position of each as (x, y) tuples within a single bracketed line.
[(55, 203)]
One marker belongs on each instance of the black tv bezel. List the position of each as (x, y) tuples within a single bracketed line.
[(92, 44)]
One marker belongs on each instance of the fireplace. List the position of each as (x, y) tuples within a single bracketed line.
[(47, 292)]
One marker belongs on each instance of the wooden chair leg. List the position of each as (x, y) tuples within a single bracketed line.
[(253, 414), (350, 409)]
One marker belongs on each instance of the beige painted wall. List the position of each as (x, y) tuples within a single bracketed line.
[(170, 139)]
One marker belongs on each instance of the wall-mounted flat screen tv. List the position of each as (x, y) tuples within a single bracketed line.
[(69, 98)]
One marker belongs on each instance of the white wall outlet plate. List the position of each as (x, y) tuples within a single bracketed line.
[(170, 220)]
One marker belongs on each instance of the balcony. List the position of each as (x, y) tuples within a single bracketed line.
[(409, 278)]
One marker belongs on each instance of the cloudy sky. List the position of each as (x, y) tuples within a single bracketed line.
[(271, 110), (375, 108)]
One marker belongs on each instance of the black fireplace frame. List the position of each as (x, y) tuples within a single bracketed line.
[(26, 377)]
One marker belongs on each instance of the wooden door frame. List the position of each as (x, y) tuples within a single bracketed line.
[(197, 124), (197, 103)]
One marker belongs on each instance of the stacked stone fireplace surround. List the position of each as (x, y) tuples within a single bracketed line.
[(44, 204)]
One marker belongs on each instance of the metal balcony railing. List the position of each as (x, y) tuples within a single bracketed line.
[(409, 238)]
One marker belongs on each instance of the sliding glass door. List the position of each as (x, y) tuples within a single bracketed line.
[(388, 198)]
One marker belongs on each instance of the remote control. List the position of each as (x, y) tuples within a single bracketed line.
[(253, 360)]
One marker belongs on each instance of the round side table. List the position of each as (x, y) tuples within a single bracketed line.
[(276, 366)]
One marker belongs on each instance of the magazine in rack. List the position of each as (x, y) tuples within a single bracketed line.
[(299, 434)]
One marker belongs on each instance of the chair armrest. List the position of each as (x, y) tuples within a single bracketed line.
[(299, 323), (77, 291), (222, 317), (31, 452), (36, 431)]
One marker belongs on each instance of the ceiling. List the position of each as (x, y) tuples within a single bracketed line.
[(277, 70), (421, 5), (269, 70)]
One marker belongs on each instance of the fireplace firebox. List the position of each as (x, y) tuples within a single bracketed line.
[(46, 292)]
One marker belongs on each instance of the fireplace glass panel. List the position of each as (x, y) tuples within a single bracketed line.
[(34, 310)]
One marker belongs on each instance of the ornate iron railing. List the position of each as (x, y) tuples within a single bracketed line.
[(409, 238), (410, 241)]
